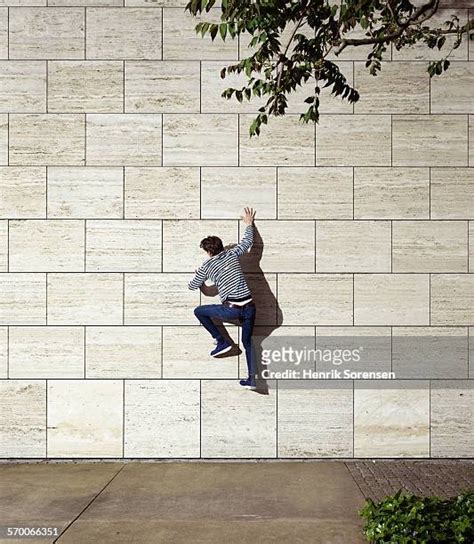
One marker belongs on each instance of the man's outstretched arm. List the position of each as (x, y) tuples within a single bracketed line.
[(247, 239)]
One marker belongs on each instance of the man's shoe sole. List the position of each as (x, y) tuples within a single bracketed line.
[(225, 350)]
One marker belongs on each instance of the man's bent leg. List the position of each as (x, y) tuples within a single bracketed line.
[(205, 314)]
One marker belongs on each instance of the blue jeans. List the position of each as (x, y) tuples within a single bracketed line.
[(245, 315)]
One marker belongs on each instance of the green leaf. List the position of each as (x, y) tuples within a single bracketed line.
[(213, 30), (223, 30)]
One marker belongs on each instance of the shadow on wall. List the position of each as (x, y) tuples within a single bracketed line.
[(269, 315)]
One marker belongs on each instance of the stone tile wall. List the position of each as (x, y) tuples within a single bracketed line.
[(117, 155)]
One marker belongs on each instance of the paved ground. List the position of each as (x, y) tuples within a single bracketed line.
[(185, 502), (441, 478), (169, 502)]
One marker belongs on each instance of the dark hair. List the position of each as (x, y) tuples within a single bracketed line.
[(212, 244)]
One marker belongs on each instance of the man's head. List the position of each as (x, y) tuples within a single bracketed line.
[(212, 245)]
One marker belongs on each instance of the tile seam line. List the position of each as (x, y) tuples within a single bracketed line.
[(210, 113), (88, 504), (288, 273), (163, 460), (232, 379), (244, 166), (157, 325), (46, 419), (123, 417), (8, 352), (355, 482), (227, 219), (206, 60)]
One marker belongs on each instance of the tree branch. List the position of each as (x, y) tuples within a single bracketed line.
[(297, 26), (392, 12), (432, 6), (365, 41)]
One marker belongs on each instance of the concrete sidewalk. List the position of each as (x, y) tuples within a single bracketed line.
[(170, 502)]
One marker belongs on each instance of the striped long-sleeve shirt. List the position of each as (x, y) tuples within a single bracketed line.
[(225, 272)]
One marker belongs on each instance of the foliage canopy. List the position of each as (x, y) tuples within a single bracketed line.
[(293, 42)]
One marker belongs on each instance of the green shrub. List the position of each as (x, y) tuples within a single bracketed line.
[(407, 519)]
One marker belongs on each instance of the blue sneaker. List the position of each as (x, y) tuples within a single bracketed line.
[(222, 347), (249, 383)]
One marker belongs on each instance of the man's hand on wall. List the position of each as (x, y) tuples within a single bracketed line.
[(249, 216), (209, 290)]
